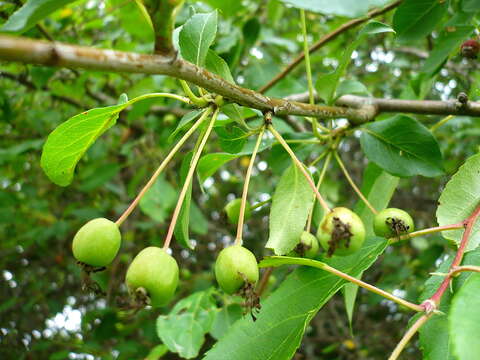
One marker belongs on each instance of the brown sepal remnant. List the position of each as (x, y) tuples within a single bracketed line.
[(398, 226), (252, 299), (88, 284), (341, 231), (301, 249)]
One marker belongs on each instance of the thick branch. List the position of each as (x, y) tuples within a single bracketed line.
[(327, 38), (57, 54), (426, 107)]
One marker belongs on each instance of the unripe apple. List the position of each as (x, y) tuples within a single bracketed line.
[(154, 272), (234, 267), (341, 232), (97, 242), (233, 210), (392, 222), (307, 247)]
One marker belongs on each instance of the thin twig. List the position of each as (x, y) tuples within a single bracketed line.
[(326, 39)]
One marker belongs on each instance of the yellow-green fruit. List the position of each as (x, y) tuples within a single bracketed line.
[(235, 265), (233, 210), (392, 222), (307, 247), (156, 272), (341, 232), (97, 242)]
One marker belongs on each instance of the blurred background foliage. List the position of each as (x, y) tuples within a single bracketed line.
[(43, 311)]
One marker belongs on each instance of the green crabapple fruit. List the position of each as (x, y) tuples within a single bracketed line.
[(155, 273), (392, 222), (341, 232), (235, 267), (307, 247), (233, 210), (97, 242)]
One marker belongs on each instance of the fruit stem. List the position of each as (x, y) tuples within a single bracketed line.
[(434, 127), (299, 164), (320, 157), (319, 183), (162, 166), (353, 185), (248, 175), (193, 98), (154, 95), (408, 336), (261, 203), (188, 179), (371, 288), (422, 232)]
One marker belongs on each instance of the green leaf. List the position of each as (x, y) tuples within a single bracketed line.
[(351, 87), (231, 140), (459, 199), (196, 36), (210, 163), (326, 85), (225, 319), (31, 13), (184, 121), (415, 19), (435, 340), (183, 329), (291, 204), (348, 8), (218, 66), (157, 352), (447, 43), (464, 319), (159, 200), (238, 113), (69, 141), (402, 146), (285, 314)]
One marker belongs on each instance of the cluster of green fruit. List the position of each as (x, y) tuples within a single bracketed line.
[(153, 273)]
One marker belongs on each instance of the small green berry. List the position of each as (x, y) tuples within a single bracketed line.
[(341, 232), (155, 273), (234, 267), (393, 222), (307, 247), (233, 210), (97, 242)]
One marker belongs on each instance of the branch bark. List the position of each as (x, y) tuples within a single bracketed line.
[(426, 107), (356, 109), (64, 55)]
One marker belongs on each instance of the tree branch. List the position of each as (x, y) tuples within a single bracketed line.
[(327, 38), (426, 107), (56, 54)]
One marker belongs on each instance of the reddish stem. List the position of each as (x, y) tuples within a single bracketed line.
[(469, 222)]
